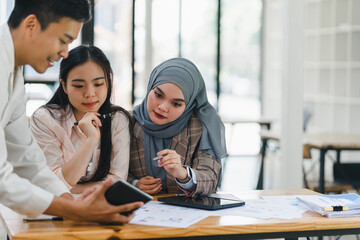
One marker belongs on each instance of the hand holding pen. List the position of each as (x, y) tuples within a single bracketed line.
[(101, 117), (90, 124), (157, 158), (171, 161)]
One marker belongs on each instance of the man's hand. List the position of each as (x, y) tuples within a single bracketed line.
[(67, 196), (149, 185), (92, 206)]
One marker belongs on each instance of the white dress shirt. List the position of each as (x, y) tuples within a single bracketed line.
[(27, 185), (60, 140)]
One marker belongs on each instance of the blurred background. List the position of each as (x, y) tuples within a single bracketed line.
[(289, 65), (243, 50)]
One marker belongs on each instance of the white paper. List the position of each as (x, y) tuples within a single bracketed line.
[(160, 214), (287, 201), (327, 201), (261, 208), (318, 203)]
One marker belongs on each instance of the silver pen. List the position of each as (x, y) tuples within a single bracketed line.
[(157, 158)]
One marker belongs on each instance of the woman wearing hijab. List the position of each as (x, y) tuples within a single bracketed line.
[(178, 138)]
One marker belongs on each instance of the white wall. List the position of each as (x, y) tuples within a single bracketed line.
[(283, 89), (331, 69)]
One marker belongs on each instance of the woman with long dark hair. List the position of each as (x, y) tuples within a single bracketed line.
[(78, 127)]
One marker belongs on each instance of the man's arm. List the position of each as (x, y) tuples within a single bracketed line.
[(27, 158), (92, 206), (26, 198), (26, 184)]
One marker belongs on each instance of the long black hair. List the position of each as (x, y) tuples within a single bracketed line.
[(60, 101)]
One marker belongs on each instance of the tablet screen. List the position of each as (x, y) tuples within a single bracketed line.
[(209, 203)]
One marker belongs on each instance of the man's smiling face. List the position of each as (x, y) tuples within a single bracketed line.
[(51, 44)]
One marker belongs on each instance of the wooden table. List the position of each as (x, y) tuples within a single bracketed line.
[(320, 141), (225, 227)]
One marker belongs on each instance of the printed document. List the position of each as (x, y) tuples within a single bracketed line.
[(339, 205), (161, 214)]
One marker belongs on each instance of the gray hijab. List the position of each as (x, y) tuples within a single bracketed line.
[(185, 75)]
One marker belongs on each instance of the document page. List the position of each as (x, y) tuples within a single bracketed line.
[(263, 209), (160, 214), (338, 205)]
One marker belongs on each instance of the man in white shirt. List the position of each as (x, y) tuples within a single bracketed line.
[(38, 33)]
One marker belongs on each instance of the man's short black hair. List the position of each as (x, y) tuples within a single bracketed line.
[(48, 11)]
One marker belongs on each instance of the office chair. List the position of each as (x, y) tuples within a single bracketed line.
[(347, 174)]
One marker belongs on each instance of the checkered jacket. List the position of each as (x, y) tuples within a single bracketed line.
[(205, 166)]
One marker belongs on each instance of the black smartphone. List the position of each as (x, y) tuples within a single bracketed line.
[(122, 192)]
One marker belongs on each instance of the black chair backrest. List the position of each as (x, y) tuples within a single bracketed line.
[(347, 173)]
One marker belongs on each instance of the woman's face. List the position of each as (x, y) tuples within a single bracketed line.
[(165, 103), (86, 88)]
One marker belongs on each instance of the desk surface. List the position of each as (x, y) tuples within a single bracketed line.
[(322, 140), (332, 140), (228, 227)]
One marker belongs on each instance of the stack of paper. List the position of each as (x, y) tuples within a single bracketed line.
[(341, 205), (161, 214)]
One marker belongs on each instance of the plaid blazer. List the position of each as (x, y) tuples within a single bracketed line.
[(205, 166)]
